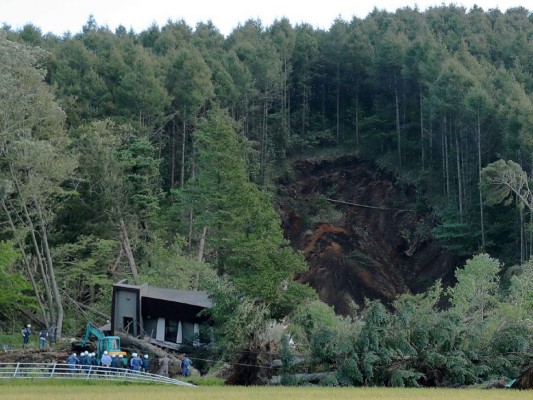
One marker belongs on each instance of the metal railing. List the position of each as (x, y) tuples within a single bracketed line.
[(81, 372)]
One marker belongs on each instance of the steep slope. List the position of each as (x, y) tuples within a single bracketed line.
[(363, 235)]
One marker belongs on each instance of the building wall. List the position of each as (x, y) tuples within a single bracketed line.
[(135, 312), (126, 311)]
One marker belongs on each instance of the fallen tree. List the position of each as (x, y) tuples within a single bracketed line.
[(525, 379), (143, 346)]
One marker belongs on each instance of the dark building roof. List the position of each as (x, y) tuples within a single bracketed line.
[(192, 297)]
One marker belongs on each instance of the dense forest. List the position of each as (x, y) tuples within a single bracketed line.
[(155, 155)]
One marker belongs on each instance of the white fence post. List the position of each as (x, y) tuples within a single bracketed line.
[(16, 369), (53, 370), (89, 372)]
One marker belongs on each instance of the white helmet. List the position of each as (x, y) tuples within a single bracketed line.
[(86, 353), (146, 356), (93, 354), (120, 356), (134, 355), (28, 326), (113, 356), (105, 352), (74, 354)]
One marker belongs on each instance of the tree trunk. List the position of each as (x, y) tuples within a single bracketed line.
[(191, 209), (304, 108), (422, 146), (529, 249), (530, 237), (289, 124), (42, 270), (323, 87), (183, 141), (264, 143), (31, 229), (284, 110), (482, 219), (26, 263), (446, 159), (89, 308), (44, 314), (430, 135), (51, 272), (125, 241), (357, 114), (338, 104), (459, 176), (522, 237), (398, 130), (173, 155), (202, 245), (40, 263), (191, 229)]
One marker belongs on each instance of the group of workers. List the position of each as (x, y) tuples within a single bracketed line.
[(86, 360), (44, 335), (136, 363), (164, 362)]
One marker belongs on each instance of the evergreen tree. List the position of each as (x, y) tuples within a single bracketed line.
[(244, 236)]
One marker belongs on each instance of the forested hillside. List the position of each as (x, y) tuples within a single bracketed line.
[(158, 156)]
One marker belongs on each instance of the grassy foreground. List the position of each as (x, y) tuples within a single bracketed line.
[(35, 390)]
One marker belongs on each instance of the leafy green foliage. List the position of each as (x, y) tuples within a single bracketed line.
[(84, 266), (287, 358), (418, 343), (311, 317), (455, 234), (239, 321), (169, 266), (502, 180), (474, 294), (17, 294), (520, 293)]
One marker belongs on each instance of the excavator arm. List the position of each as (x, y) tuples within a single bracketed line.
[(91, 330), (103, 343)]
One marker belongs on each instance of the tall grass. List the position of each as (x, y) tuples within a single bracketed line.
[(34, 390), (13, 341)]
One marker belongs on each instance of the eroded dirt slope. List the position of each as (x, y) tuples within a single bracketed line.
[(364, 236)]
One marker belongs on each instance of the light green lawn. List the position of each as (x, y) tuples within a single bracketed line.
[(34, 390)]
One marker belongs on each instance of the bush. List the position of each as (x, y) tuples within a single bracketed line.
[(329, 381)]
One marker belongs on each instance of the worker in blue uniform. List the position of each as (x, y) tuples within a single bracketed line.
[(26, 332)]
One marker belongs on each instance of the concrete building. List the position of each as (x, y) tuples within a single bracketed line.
[(164, 315)]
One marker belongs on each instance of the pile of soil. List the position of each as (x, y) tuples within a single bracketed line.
[(33, 356)]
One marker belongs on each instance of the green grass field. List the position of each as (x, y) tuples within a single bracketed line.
[(35, 390)]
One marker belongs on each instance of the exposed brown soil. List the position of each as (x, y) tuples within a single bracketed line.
[(363, 234), (33, 356)]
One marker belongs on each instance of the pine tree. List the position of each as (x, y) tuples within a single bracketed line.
[(244, 236)]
